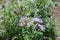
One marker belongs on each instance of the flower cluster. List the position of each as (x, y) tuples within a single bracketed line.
[(29, 21)]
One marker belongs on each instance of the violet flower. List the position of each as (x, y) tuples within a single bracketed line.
[(36, 19), (41, 27), (23, 21), (27, 21)]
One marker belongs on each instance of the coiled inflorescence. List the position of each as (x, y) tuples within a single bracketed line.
[(30, 21)]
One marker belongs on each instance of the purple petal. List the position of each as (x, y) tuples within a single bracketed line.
[(42, 27), (23, 20), (21, 23), (39, 20)]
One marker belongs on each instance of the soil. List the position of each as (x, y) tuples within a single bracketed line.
[(56, 15)]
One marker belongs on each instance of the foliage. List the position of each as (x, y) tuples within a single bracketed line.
[(27, 20)]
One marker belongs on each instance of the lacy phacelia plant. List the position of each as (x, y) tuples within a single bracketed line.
[(27, 20)]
